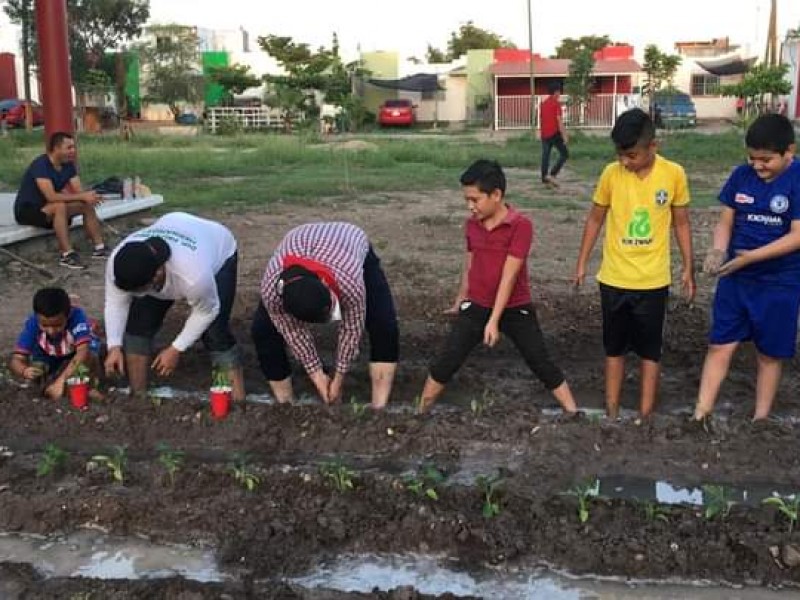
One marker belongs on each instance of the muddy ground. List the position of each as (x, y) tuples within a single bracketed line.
[(296, 518)]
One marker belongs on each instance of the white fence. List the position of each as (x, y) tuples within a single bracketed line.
[(514, 112), (244, 117)]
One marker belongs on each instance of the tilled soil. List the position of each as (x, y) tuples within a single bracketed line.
[(296, 517)]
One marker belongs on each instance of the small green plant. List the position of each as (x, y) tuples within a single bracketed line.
[(220, 379), (418, 404), (478, 406), (81, 373), (340, 476), (171, 460), (585, 492), (489, 487), (359, 408), (717, 502), (242, 474), (424, 483), (789, 506), (52, 460), (655, 512), (114, 462)]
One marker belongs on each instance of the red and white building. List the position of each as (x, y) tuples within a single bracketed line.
[(616, 75)]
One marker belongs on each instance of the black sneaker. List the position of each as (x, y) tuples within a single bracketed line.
[(71, 260), (100, 253), (701, 426)]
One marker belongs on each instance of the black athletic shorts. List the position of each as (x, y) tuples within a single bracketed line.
[(28, 214), (633, 320)]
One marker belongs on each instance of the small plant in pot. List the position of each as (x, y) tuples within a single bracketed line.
[(79, 384), (220, 394)]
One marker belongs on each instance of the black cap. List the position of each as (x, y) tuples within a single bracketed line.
[(304, 296), (136, 263)]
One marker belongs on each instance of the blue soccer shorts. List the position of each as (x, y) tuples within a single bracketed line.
[(753, 311)]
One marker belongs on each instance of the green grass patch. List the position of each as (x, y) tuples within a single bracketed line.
[(206, 171)]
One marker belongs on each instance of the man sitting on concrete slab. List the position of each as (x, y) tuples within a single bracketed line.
[(50, 196)]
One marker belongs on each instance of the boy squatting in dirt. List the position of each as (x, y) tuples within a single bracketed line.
[(494, 294), (756, 254), (55, 339), (639, 198)]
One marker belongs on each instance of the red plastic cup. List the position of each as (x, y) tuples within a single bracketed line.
[(79, 395), (220, 403)]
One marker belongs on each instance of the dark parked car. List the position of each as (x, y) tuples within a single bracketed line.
[(674, 110), (12, 111)]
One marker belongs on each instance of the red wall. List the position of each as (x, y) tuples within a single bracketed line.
[(521, 86), (8, 76)]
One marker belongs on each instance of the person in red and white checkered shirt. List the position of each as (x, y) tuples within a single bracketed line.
[(322, 273)]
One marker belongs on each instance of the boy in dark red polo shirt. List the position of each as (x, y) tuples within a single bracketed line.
[(495, 292), (553, 134)]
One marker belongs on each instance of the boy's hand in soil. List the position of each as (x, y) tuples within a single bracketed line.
[(115, 362), (323, 383), (55, 391), (31, 373), (166, 361), (491, 334), (713, 261), (335, 388)]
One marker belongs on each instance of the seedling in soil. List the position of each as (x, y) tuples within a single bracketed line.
[(480, 405), (52, 460), (655, 512), (490, 490), (424, 484), (359, 408), (114, 462), (339, 475), (789, 506), (242, 473), (717, 502), (584, 492), (171, 460), (418, 404)]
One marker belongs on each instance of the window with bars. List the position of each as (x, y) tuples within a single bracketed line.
[(705, 85)]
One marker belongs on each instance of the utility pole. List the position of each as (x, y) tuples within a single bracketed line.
[(531, 69), (771, 53)]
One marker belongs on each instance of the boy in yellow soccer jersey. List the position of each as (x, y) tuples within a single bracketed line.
[(640, 197)]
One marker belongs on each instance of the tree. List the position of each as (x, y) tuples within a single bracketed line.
[(571, 47), (95, 27), (580, 80), (468, 37), (659, 68), (234, 79), (434, 55), (308, 73), (170, 66), (760, 81)]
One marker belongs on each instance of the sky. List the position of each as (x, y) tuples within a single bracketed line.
[(409, 25)]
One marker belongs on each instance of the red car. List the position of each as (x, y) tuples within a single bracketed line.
[(12, 111), (397, 112)]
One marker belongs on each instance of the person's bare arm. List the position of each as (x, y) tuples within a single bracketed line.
[(53, 197), (683, 235), (591, 231)]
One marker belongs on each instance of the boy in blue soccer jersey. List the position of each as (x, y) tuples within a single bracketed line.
[(756, 254), (55, 339)]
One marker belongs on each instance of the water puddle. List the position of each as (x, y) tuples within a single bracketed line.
[(663, 492), (429, 575), (89, 554)]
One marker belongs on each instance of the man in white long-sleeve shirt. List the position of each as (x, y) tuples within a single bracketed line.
[(179, 257)]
